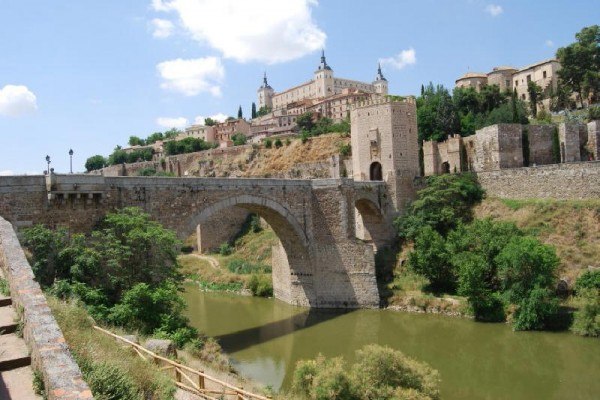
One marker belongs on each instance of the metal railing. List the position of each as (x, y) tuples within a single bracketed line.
[(189, 379)]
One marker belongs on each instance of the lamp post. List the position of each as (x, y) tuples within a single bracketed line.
[(48, 162), (71, 160)]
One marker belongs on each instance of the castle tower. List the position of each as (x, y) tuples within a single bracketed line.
[(265, 94), (380, 83), (324, 78), (385, 146)]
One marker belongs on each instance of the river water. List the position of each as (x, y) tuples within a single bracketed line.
[(265, 338)]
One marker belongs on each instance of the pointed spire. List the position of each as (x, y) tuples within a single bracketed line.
[(265, 84), (379, 76), (323, 64)]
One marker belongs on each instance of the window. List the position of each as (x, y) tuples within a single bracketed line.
[(528, 78), (544, 73)]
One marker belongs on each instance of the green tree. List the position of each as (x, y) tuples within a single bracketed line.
[(254, 115), (580, 63), (586, 320), (278, 143), (536, 95), (118, 156), (445, 202), (436, 114), (305, 122), (491, 98), (431, 259), (172, 133), (527, 269), (154, 137), (239, 139), (239, 114), (209, 122), (95, 162), (264, 110), (136, 141)]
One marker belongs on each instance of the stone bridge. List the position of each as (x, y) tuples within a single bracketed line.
[(329, 229)]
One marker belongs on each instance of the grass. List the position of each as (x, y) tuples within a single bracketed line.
[(4, 287), (571, 226), (96, 353)]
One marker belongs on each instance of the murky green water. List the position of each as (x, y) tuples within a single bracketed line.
[(266, 337)]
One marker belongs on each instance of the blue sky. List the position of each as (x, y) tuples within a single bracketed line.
[(88, 74)]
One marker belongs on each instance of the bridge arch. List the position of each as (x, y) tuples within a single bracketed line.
[(291, 262), (371, 225)]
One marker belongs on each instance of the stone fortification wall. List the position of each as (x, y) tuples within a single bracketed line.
[(594, 139), (540, 144), (49, 352), (556, 181), (498, 146)]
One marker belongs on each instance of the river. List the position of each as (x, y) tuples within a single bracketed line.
[(265, 338)]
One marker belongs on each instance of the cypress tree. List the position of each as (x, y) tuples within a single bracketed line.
[(253, 110), (240, 113)]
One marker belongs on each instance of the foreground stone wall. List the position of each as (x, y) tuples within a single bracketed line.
[(558, 181), (49, 352)]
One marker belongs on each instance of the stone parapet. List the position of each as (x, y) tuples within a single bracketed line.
[(49, 352), (571, 181)]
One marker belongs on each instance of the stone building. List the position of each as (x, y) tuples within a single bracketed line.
[(323, 85), (385, 146), (544, 73), (505, 146), (206, 133), (224, 131)]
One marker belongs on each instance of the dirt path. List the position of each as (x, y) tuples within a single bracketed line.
[(211, 260)]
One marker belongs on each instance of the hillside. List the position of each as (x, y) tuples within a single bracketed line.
[(571, 226)]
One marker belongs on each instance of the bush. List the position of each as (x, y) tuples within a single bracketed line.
[(95, 162), (278, 143), (268, 143), (586, 320), (534, 311), (225, 249), (147, 172), (108, 382), (255, 225), (304, 135), (588, 280), (260, 285), (288, 142), (430, 259), (382, 369), (445, 202), (593, 113), (380, 374), (187, 249), (345, 149), (187, 145), (239, 139), (238, 266)]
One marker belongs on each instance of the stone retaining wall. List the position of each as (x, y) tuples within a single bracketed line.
[(49, 352), (570, 181)]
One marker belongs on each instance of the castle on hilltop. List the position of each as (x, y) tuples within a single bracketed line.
[(323, 85)]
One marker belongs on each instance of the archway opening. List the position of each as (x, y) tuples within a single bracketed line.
[(445, 167), (375, 173), (291, 269)]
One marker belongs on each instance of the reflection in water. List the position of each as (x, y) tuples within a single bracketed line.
[(266, 337)]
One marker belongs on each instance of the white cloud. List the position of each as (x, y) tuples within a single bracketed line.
[(494, 10), (167, 122), (401, 60), (161, 28), (549, 43), (6, 172), (17, 100), (193, 76), (269, 31), (217, 117)]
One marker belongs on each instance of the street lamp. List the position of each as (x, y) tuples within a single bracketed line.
[(71, 159), (48, 162)]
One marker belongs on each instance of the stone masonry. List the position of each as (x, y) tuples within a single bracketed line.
[(314, 220)]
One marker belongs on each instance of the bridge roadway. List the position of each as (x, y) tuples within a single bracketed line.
[(320, 261)]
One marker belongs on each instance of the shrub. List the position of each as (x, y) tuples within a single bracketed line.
[(225, 249), (323, 379), (109, 382), (586, 320), (534, 311), (238, 266), (278, 143), (382, 369), (445, 202), (288, 142), (430, 259), (4, 287), (147, 172), (304, 135), (588, 280), (255, 225), (594, 113), (95, 162), (260, 285), (187, 249), (268, 143), (345, 149), (380, 374), (239, 139)]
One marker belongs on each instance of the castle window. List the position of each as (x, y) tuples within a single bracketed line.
[(544, 74)]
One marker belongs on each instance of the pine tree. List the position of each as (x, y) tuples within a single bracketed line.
[(240, 113), (253, 110)]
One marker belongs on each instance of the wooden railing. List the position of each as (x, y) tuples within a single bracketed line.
[(189, 379)]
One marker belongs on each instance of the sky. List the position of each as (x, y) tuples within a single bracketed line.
[(85, 75)]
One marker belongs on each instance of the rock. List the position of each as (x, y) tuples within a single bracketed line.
[(162, 347)]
